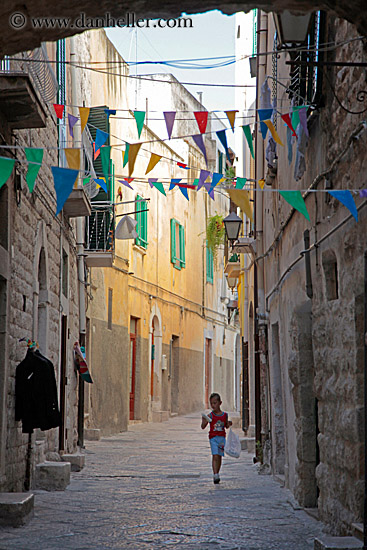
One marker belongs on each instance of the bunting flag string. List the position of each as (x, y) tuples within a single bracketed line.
[(198, 138), (6, 168), (287, 120), (101, 138), (35, 157), (202, 178), (264, 114), (105, 159), (231, 115), (133, 152), (84, 115), (273, 131), (59, 110), (72, 121), (125, 155), (202, 120), (139, 118), (127, 182), (241, 182), (223, 139), (295, 199), (248, 135), (346, 198), (64, 179), (154, 159), (169, 117)]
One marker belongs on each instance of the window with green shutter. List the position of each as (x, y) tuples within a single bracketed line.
[(142, 219), (178, 258), (209, 265), (98, 119)]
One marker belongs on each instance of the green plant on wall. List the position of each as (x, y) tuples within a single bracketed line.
[(215, 233)]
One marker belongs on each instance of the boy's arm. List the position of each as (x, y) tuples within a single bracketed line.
[(204, 423), (228, 423)]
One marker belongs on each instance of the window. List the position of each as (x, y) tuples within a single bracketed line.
[(177, 244), (142, 219), (209, 265), (330, 266), (220, 162), (98, 118), (65, 272)]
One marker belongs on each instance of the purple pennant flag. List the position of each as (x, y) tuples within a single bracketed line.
[(303, 119), (72, 121), (169, 117), (198, 138), (151, 181), (173, 183), (363, 193), (124, 182), (203, 175)]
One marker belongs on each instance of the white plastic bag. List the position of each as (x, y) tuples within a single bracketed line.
[(233, 445)]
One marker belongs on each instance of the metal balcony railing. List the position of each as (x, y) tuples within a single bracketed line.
[(100, 228), (37, 66)]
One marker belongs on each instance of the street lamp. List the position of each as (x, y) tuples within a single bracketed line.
[(292, 29), (232, 282), (232, 225)]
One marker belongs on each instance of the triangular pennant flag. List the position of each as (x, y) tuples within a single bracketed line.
[(346, 198), (73, 158), (59, 110), (33, 156), (215, 181), (63, 182), (173, 183), (203, 176), (127, 182), (110, 112), (231, 115), (125, 155), (84, 115), (81, 363), (154, 159), (198, 138), (264, 114), (363, 193), (183, 165), (295, 115), (169, 117), (72, 121), (248, 134), (242, 199), (202, 120), (158, 185), (240, 183), (125, 229), (102, 183), (101, 138), (6, 168), (273, 131), (151, 181), (289, 144), (133, 152), (105, 159), (287, 120), (261, 183), (223, 139), (295, 199), (303, 119), (184, 191), (139, 117)]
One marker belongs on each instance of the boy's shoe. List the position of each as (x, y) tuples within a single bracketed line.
[(216, 478)]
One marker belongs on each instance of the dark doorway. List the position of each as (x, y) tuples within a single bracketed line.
[(63, 381), (174, 372)]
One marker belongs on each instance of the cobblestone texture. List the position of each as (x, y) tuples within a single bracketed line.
[(135, 493)]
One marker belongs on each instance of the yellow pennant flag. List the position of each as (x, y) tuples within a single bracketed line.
[(133, 152), (261, 183), (84, 115), (73, 160), (242, 199), (154, 159), (231, 115), (273, 131)]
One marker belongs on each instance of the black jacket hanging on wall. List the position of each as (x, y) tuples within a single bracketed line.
[(36, 393)]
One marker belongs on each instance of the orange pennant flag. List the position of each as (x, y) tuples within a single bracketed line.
[(133, 152), (73, 160), (84, 115), (154, 159), (273, 131), (231, 115), (262, 183)]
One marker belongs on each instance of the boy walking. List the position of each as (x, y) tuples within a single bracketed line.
[(218, 422)]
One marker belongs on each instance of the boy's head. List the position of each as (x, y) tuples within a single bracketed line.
[(215, 401)]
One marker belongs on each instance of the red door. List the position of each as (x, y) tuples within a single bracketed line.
[(132, 373), (207, 370)]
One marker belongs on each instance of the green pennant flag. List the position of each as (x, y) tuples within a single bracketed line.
[(33, 156), (295, 115), (126, 155), (196, 182), (295, 199), (86, 180), (6, 168), (105, 159), (139, 117), (240, 183), (247, 131), (159, 186)]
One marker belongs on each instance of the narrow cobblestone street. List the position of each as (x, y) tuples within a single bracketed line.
[(151, 487)]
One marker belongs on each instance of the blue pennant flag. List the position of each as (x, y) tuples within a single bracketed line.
[(110, 112), (216, 179), (64, 180), (184, 192), (101, 138), (346, 198), (102, 183), (173, 183), (223, 139), (264, 114)]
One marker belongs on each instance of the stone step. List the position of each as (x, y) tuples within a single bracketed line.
[(92, 434), (248, 444), (358, 530), (326, 542), (77, 461), (52, 476), (16, 509)]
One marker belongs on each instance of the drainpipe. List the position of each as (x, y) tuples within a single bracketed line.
[(77, 141), (259, 299), (365, 406)]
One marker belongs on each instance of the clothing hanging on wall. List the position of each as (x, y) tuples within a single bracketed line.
[(36, 403)]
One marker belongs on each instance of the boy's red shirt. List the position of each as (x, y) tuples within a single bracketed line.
[(218, 424)]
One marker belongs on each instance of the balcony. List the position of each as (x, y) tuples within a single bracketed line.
[(245, 245), (233, 267), (27, 82), (100, 235)]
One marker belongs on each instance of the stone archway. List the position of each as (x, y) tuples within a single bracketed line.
[(18, 33), (155, 358)]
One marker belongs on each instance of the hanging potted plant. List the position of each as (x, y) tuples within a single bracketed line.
[(215, 233)]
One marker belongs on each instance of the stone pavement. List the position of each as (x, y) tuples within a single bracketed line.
[(152, 488)]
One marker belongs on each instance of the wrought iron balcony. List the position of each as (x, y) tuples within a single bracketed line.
[(27, 82), (100, 235)]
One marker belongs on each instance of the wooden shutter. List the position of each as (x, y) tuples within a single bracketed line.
[(182, 246), (173, 242), (98, 119)]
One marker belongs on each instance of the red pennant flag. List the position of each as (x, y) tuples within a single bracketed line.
[(287, 120), (59, 110), (202, 120)]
